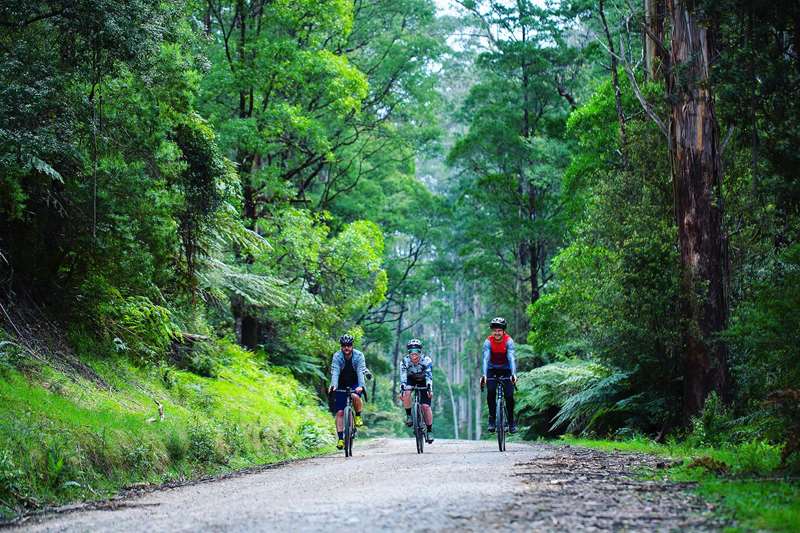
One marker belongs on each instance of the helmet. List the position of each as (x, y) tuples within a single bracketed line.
[(346, 340), (498, 322), (414, 344)]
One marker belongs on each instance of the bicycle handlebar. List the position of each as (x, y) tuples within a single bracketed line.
[(414, 387), (499, 378)]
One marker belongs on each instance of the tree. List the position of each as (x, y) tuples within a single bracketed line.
[(696, 175)]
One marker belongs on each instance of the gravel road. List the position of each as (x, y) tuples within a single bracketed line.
[(463, 485)]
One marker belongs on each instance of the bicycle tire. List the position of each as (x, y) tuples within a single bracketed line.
[(500, 421), (420, 430), (348, 432), (352, 439), (415, 415)]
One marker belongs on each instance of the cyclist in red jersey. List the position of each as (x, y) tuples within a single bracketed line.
[(498, 361)]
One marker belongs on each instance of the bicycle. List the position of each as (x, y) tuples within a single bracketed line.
[(349, 425), (500, 412), (417, 420)]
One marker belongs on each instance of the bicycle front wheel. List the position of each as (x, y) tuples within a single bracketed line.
[(349, 424), (419, 430), (500, 420)]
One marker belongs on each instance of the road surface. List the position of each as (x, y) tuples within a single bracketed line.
[(463, 485)]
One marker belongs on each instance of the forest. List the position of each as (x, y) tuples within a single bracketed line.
[(203, 195)]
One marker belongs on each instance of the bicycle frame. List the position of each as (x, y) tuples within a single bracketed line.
[(417, 420), (501, 415), (349, 422)]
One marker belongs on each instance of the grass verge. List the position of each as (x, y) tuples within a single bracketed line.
[(63, 438), (743, 480)]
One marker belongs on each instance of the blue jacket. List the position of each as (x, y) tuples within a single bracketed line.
[(487, 349), (337, 363)]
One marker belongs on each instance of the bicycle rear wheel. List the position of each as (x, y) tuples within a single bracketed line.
[(500, 420), (348, 431)]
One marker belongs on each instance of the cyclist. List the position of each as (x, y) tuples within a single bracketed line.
[(498, 361), (347, 370), (416, 369)]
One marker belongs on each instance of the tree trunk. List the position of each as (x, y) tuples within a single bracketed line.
[(398, 331), (250, 329), (654, 38), (694, 139)]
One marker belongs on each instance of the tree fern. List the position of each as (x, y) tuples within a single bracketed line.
[(257, 290)]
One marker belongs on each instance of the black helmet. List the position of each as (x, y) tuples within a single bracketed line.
[(414, 343), (498, 322), (346, 340)]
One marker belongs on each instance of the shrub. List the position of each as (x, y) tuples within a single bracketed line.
[(313, 436), (176, 446), (138, 326), (11, 476), (234, 437), (756, 457), (713, 426), (202, 443)]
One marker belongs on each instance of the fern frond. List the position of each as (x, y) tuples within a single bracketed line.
[(256, 289)]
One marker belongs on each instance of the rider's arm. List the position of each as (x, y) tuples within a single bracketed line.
[(362, 367), (486, 349), (335, 370), (511, 352), (429, 372), (403, 373)]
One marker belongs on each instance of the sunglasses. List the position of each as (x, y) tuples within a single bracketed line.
[(415, 350)]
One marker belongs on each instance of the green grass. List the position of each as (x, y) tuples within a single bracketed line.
[(743, 480), (64, 439)]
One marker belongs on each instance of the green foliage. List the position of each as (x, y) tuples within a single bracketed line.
[(203, 446), (75, 440), (573, 395), (713, 426), (138, 325), (765, 328), (741, 480)]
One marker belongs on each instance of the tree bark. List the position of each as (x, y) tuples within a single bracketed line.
[(654, 38), (696, 175), (395, 355)]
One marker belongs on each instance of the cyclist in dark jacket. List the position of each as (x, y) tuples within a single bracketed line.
[(498, 361), (416, 369), (347, 370)]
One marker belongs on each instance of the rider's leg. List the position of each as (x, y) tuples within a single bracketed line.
[(340, 423), (508, 392), (357, 404), (406, 397), (491, 397), (427, 414)]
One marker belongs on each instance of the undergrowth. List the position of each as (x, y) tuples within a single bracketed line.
[(745, 480), (63, 438)]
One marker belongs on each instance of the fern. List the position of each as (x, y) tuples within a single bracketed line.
[(230, 233), (255, 289), (302, 365), (581, 394), (216, 277), (580, 410)]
